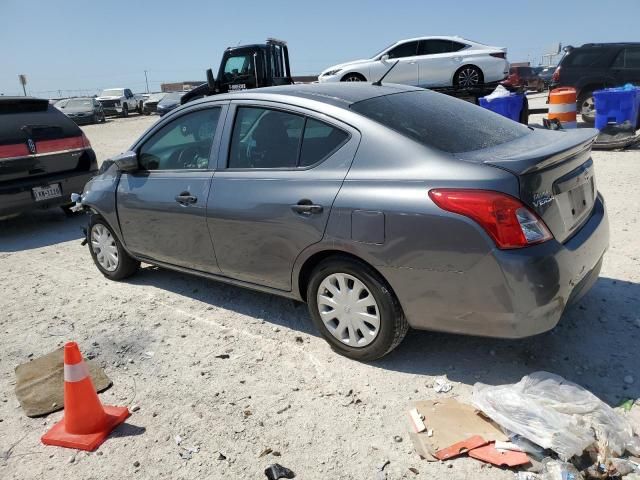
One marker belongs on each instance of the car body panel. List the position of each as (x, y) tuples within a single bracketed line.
[(444, 268)]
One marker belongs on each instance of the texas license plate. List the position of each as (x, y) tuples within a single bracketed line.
[(45, 193)]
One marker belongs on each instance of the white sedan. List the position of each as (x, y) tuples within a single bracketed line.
[(427, 62)]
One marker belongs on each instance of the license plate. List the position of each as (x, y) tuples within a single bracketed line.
[(45, 193)]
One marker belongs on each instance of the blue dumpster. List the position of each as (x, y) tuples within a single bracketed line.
[(617, 105), (509, 106)]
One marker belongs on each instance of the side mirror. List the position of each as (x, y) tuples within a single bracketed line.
[(126, 162), (384, 57), (211, 81)]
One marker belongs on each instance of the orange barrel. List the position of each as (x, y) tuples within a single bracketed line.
[(562, 106)]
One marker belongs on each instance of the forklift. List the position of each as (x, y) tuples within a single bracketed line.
[(247, 66)]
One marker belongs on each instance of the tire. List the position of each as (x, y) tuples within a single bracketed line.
[(139, 109), (468, 76), (392, 324), (353, 77), (104, 118), (100, 236), (125, 110), (586, 107)]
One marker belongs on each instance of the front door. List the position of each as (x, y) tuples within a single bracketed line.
[(627, 66), (437, 61), (406, 71), (162, 206), (273, 192)]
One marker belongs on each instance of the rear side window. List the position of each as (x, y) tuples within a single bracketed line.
[(431, 47), (628, 58), (266, 138), (593, 57), (440, 121)]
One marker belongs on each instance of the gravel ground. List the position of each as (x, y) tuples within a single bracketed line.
[(163, 338)]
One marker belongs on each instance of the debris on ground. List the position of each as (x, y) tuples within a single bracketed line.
[(276, 471), (39, 383), (498, 457), (441, 385), (380, 472)]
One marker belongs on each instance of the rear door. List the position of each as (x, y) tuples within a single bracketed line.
[(162, 206), (406, 71), (438, 61), (627, 66), (280, 171)]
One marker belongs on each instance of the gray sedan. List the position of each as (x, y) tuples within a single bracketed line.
[(82, 110), (382, 207)]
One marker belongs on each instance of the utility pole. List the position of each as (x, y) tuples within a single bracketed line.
[(23, 82), (146, 80)]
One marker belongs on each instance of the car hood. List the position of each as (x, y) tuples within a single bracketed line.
[(168, 104), (342, 66), (109, 98)]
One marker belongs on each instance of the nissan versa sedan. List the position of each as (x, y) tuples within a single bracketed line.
[(382, 207)]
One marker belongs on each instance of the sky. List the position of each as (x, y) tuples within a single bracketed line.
[(72, 47)]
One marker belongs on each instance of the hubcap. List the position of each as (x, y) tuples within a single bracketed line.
[(588, 106), (104, 246), (468, 77), (348, 310), (352, 78)]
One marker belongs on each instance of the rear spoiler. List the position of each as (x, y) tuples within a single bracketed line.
[(23, 104)]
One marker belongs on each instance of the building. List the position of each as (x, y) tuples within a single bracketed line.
[(180, 86)]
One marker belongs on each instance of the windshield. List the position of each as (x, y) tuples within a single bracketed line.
[(385, 48), (79, 102), (112, 92), (440, 121), (156, 97), (173, 96)]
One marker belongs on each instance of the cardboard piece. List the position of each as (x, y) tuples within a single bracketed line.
[(450, 422), (40, 383), (500, 458)]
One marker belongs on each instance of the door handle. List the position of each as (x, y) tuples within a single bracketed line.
[(185, 198), (306, 207)]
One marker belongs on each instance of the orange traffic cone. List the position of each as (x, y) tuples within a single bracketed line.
[(86, 422)]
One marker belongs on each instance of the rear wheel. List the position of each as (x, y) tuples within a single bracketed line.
[(468, 76), (587, 107), (125, 110), (139, 108), (354, 309), (353, 77), (108, 253)]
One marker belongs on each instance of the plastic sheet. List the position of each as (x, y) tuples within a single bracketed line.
[(556, 414)]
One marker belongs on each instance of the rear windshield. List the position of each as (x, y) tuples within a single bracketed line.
[(440, 121)]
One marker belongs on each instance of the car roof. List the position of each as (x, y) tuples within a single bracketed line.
[(342, 94), (612, 44)]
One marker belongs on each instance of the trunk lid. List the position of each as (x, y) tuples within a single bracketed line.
[(36, 139), (555, 173)]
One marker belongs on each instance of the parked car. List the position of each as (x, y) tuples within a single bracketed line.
[(546, 74), (120, 101), (427, 62), (151, 104), (526, 78), (82, 110), (594, 66), (44, 156), (368, 202), (169, 102)]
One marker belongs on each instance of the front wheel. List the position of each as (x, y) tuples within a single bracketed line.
[(108, 253), (353, 77), (354, 309), (468, 76), (125, 110), (139, 109), (587, 107)]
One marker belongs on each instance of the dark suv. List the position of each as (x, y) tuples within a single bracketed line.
[(44, 156), (594, 66)]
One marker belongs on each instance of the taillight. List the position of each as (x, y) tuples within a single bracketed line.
[(85, 141), (499, 55), (556, 75), (505, 219)]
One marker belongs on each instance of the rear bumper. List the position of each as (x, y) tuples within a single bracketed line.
[(17, 197), (509, 293)]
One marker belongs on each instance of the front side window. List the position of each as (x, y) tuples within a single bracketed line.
[(408, 49), (182, 144), (238, 66), (265, 138)]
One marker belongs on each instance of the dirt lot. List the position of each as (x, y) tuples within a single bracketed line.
[(159, 336)]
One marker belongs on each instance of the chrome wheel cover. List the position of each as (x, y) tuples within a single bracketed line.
[(468, 77), (588, 107), (104, 247), (348, 310), (353, 78)]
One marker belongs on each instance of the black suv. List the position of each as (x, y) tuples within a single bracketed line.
[(594, 66), (44, 156)]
